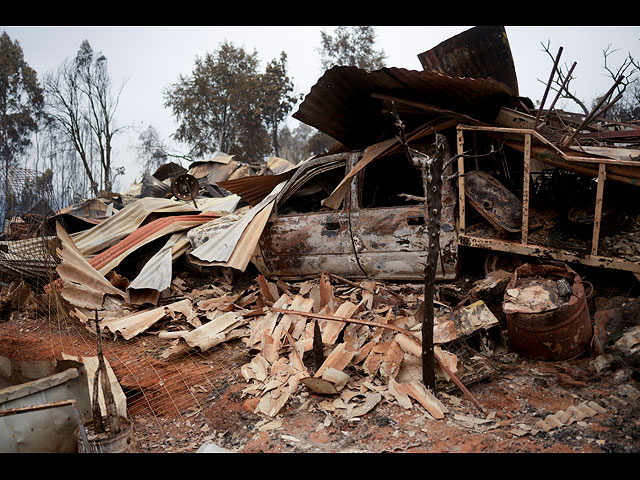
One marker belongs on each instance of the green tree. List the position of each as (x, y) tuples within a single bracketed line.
[(21, 104), (21, 100), (277, 99), (303, 142), (218, 107), (353, 46), (293, 143), (319, 143)]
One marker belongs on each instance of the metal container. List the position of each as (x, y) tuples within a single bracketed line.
[(560, 333), (122, 442), (42, 385)]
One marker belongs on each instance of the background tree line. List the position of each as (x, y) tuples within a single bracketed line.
[(63, 124)]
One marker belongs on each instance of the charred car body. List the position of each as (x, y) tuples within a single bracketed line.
[(377, 231)]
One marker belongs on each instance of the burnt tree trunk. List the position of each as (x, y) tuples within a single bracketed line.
[(431, 169), (432, 184)]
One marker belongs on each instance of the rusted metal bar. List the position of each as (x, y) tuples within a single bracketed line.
[(562, 87), (551, 146), (407, 333), (546, 90), (346, 320), (461, 198), (540, 251), (526, 177), (595, 109), (617, 134), (63, 403), (608, 106), (602, 175)]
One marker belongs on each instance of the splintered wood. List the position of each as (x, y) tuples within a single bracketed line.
[(371, 353)]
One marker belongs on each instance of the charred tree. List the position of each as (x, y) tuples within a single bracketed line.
[(431, 169)]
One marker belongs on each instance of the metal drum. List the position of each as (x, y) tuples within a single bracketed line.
[(122, 442), (562, 330)]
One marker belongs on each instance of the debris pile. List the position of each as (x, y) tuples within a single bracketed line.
[(340, 240)]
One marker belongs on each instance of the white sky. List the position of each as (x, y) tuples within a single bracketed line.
[(151, 58)]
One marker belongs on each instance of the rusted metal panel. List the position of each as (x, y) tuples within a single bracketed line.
[(304, 245), (126, 221), (231, 244), (495, 203), (480, 52), (390, 244), (110, 258), (254, 189), (169, 170)]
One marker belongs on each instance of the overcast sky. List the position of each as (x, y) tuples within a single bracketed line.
[(148, 59)]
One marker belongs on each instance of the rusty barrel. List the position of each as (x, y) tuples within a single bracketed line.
[(562, 333), (122, 442)]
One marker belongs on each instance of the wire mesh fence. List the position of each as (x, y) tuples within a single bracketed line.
[(158, 391)]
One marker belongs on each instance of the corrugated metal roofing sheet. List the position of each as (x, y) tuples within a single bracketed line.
[(124, 222), (480, 52), (110, 258), (254, 188), (340, 104)]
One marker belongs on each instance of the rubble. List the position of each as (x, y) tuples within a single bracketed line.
[(337, 246)]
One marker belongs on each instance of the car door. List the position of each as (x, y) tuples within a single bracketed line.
[(389, 228), (302, 238)]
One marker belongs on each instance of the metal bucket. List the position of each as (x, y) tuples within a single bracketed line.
[(122, 442), (562, 333)]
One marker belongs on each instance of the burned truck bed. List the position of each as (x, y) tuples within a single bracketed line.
[(572, 211)]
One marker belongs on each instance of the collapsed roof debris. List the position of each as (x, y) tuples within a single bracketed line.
[(331, 236)]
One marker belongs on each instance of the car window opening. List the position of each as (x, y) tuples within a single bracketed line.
[(308, 198), (386, 178)]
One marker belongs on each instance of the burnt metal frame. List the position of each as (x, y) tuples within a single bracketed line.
[(524, 247)]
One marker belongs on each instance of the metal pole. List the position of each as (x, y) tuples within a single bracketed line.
[(564, 84), (546, 91), (595, 109)]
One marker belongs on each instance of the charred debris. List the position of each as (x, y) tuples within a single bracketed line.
[(333, 271)]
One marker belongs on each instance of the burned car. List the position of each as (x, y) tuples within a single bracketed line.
[(529, 183), (378, 230)]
